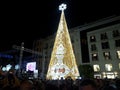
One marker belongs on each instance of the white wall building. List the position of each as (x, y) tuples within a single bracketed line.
[(104, 51)]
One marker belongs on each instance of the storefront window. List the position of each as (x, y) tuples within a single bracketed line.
[(108, 67), (96, 68), (118, 54)]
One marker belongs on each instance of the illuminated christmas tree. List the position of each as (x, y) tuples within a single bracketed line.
[(62, 63)]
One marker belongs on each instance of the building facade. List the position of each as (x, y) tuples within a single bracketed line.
[(104, 51)]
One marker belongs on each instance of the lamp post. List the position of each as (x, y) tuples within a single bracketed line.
[(20, 59), (43, 65)]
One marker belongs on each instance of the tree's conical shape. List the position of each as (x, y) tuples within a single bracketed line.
[(62, 63)]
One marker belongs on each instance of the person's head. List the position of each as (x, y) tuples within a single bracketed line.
[(26, 85), (87, 84), (11, 79), (108, 87)]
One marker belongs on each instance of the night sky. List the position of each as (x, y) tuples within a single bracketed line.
[(30, 20)]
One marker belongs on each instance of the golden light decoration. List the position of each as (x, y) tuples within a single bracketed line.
[(62, 63)]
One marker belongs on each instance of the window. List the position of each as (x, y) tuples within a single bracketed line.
[(106, 55), (108, 67), (83, 41), (93, 47), (51, 45), (104, 36), (116, 33), (96, 68), (46, 46), (118, 54), (72, 40), (92, 39), (94, 57), (105, 45), (119, 65), (117, 43)]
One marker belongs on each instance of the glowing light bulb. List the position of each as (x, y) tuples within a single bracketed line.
[(62, 7)]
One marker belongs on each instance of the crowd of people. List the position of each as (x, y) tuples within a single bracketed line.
[(11, 82)]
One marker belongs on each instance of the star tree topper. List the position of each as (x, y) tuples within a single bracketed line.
[(62, 7)]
